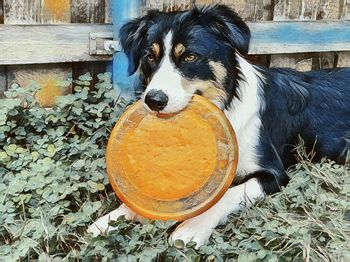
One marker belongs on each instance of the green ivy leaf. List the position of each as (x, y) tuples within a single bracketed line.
[(79, 164)]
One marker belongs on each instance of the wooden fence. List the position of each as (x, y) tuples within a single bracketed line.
[(50, 40), (16, 13)]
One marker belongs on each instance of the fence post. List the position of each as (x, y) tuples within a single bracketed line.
[(123, 11)]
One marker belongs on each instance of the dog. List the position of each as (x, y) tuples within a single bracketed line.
[(203, 51)]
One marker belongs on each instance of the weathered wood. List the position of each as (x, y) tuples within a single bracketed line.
[(108, 12), (17, 12), (346, 10), (56, 11), (308, 10), (166, 5), (249, 10), (37, 11), (92, 11), (299, 37), (254, 10), (152, 4), (70, 43), (25, 44), (1, 11), (324, 61), (343, 59), (3, 80), (300, 62), (176, 5)]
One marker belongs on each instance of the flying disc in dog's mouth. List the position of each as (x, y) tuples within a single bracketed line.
[(172, 167)]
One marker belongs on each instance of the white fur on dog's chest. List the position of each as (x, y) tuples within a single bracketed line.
[(245, 118)]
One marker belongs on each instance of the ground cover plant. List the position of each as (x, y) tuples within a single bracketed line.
[(53, 185)]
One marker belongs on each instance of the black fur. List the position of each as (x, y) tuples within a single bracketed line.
[(313, 105)]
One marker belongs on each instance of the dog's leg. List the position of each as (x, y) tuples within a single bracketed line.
[(200, 228), (269, 179), (102, 226)]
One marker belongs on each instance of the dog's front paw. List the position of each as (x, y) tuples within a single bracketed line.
[(197, 229), (101, 225)]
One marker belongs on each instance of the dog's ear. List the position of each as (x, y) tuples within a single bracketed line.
[(133, 37), (227, 23)]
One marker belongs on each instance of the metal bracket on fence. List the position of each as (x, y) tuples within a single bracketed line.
[(102, 43)]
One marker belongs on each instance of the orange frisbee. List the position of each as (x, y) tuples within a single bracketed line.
[(172, 167)]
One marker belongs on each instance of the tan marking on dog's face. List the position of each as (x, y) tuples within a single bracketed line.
[(219, 70), (156, 49), (179, 50), (209, 89), (212, 92)]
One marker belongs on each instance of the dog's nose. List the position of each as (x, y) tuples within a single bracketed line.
[(156, 100)]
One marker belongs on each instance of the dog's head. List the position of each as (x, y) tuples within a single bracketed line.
[(184, 53)]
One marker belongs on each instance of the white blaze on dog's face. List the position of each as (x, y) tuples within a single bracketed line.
[(180, 54), (170, 81)]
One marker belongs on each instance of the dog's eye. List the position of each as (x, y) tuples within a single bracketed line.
[(150, 58), (190, 58)]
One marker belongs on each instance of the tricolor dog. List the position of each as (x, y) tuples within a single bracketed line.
[(202, 51)]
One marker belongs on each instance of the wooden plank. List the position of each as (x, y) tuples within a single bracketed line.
[(176, 5), (299, 37), (18, 12), (3, 80), (152, 5), (301, 62), (1, 11), (346, 10), (25, 44), (166, 5), (308, 9), (323, 61), (56, 11), (70, 43), (92, 11), (108, 12), (343, 59), (253, 10), (37, 11)]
